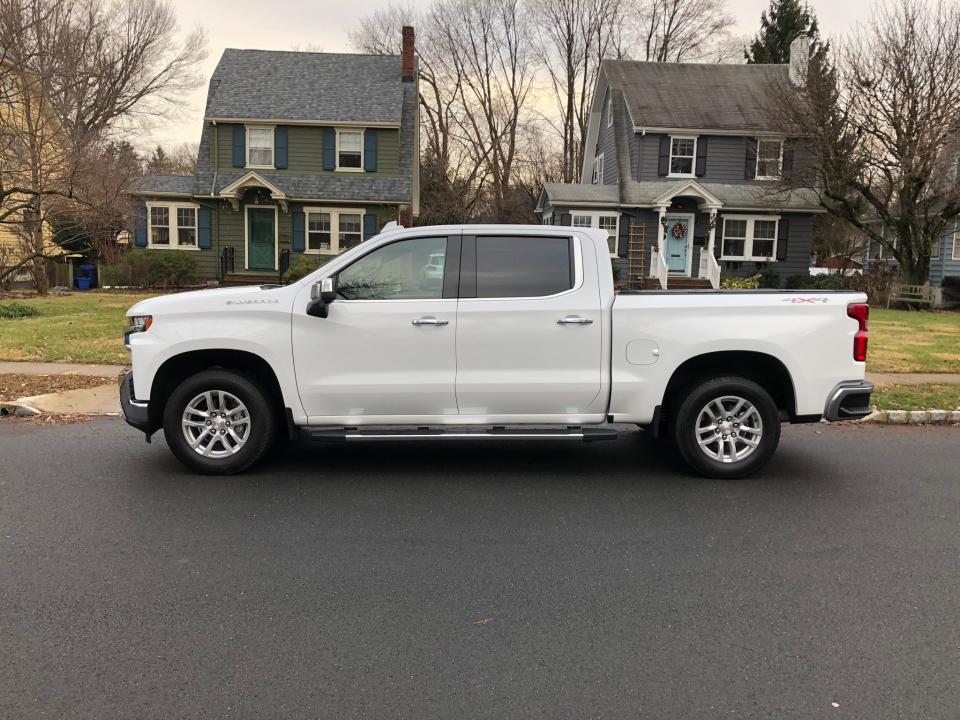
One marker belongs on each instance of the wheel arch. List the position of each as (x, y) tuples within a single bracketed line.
[(762, 368), (174, 369)]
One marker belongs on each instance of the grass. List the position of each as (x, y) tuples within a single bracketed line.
[(917, 397), (904, 341), (81, 328)]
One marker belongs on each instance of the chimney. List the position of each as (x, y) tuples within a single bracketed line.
[(799, 59), (407, 53)]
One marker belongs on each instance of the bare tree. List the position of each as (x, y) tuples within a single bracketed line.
[(72, 71), (883, 122), (679, 30), (574, 36), (181, 160)]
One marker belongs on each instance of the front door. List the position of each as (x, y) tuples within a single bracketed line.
[(678, 241), (387, 346), (261, 238)]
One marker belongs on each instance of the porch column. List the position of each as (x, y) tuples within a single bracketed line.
[(661, 211), (713, 230)]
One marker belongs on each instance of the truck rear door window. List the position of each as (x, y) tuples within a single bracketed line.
[(523, 266)]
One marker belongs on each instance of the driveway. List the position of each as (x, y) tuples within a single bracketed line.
[(457, 580)]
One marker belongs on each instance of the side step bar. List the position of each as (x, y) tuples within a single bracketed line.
[(435, 433)]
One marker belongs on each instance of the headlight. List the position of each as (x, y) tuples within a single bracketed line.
[(138, 324)]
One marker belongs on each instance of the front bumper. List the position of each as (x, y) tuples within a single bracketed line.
[(849, 401), (135, 413)]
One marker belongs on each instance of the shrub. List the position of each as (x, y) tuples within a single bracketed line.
[(740, 283), (14, 310), (152, 269), (769, 278), (115, 275), (305, 265)]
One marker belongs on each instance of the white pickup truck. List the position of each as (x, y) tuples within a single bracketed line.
[(489, 331)]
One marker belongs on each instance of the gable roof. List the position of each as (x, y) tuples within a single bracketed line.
[(696, 96), (172, 184), (306, 86)]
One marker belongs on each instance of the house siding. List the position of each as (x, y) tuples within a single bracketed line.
[(607, 145), (305, 151), (945, 265)]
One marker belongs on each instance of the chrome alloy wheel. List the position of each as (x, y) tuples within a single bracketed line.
[(216, 424), (729, 429)]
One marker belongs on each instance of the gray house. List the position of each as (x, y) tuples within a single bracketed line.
[(681, 153), (944, 256), (301, 154)]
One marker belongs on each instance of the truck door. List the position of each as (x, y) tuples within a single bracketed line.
[(386, 347), (529, 327)]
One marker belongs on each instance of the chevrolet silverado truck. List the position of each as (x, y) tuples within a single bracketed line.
[(489, 332)]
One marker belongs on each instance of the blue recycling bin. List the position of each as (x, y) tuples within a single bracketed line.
[(82, 283)]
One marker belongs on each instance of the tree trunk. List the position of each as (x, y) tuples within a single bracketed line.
[(40, 277)]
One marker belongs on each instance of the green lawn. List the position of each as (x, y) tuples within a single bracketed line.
[(904, 341), (82, 327), (917, 397)]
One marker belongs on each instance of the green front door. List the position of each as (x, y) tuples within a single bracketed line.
[(261, 249)]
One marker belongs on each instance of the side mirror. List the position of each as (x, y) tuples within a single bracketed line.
[(321, 295)]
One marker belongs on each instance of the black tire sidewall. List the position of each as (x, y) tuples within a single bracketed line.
[(262, 430), (684, 437)]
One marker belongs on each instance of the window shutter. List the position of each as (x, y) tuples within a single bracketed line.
[(750, 166), (782, 232), (299, 231), (204, 228), (370, 138), (140, 226), (329, 148), (566, 219), (369, 226), (664, 166), (239, 146), (280, 147), (701, 156), (787, 156)]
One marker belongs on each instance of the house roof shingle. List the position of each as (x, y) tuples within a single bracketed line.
[(312, 87), (182, 184), (696, 96)]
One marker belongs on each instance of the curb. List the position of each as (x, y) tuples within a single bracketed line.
[(913, 417), (17, 409)]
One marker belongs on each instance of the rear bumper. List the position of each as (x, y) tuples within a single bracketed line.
[(849, 401), (135, 413)]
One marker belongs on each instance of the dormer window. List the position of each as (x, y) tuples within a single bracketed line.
[(350, 150), (683, 153), (598, 170), (769, 159), (259, 147)]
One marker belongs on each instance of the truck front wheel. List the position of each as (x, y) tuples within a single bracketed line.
[(727, 427), (218, 422)]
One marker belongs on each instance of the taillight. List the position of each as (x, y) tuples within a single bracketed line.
[(859, 312)]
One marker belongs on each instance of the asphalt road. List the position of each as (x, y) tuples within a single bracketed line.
[(534, 580)]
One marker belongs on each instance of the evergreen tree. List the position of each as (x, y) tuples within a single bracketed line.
[(779, 26)]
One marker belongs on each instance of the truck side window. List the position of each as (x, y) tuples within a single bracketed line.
[(405, 270), (523, 266)]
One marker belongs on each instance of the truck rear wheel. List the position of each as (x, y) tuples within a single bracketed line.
[(726, 427), (219, 422)]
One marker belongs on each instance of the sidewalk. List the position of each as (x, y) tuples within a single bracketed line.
[(914, 378), (40, 368)]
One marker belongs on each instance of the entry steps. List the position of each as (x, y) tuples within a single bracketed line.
[(458, 432)]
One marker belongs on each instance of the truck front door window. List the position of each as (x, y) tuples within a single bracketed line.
[(406, 270)]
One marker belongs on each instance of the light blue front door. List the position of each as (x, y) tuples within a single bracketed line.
[(679, 232)]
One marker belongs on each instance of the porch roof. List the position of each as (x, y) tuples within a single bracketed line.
[(578, 194)]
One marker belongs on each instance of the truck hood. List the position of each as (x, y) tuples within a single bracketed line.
[(208, 299)]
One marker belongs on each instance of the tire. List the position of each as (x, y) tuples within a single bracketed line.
[(230, 420), (730, 454)]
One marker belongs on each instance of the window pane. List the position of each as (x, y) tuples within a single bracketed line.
[(609, 224), (768, 158), (349, 149), (260, 142), (160, 216), (350, 142), (582, 221), (734, 238), (765, 229), (683, 147), (681, 166), (409, 269), (160, 226), (350, 233), (523, 266), (318, 231)]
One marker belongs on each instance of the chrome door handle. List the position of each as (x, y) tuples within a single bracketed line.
[(429, 320), (574, 320)]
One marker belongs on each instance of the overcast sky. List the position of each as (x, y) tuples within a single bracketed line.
[(322, 24)]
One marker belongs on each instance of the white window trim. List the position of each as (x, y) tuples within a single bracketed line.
[(597, 178), (956, 244), (173, 226), (609, 109), (936, 250), (273, 146), (756, 169), (748, 255), (334, 227), (246, 235), (693, 163), (595, 216), (362, 145)]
